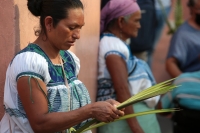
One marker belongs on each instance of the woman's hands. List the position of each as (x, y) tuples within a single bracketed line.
[(41, 121), (106, 111), (114, 103)]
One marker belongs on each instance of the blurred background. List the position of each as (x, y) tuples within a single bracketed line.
[(159, 56)]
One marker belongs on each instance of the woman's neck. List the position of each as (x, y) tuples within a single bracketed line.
[(51, 51), (117, 33)]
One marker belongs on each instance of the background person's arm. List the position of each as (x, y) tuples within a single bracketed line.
[(43, 122), (172, 67), (118, 71)]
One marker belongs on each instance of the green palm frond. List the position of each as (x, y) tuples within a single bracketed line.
[(130, 116), (178, 14), (171, 29), (155, 90)]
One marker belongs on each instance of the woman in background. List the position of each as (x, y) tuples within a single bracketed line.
[(120, 74)]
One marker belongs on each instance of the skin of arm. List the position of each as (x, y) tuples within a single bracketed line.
[(172, 67), (119, 75), (41, 121)]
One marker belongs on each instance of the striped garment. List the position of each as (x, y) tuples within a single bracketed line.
[(187, 94)]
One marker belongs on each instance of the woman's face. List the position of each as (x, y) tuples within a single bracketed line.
[(64, 35), (130, 28)]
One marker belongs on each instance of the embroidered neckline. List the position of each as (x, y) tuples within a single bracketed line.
[(111, 34), (48, 56)]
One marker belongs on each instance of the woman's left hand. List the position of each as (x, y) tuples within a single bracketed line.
[(114, 103)]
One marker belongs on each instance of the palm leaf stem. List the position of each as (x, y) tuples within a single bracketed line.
[(155, 90), (132, 115)]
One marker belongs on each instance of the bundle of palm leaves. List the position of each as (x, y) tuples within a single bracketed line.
[(153, 91)]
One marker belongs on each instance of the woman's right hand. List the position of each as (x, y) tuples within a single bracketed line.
[(105, 112)]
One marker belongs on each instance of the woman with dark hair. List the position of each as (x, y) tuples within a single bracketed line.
[(120, 74), (42, 92)]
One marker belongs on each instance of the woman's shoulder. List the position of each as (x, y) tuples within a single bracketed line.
[(110, 38), (30, 57), (110, 42), (31, 51), (30, 62)]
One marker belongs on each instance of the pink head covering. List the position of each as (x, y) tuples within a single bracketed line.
[(116, 8)]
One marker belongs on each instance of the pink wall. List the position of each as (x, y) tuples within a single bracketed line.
[(7, 41), (87, 46)]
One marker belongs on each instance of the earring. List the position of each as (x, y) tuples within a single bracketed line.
[(49, 30)]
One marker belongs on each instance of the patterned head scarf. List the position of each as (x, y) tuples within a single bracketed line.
[(116, 8)]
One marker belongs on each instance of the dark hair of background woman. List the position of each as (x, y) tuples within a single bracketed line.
[(57, 9), (191, 3)]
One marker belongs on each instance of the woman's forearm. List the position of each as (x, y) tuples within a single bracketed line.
[(172, 67), (58, 121), (102, 111), (37, 109), (119, 75)]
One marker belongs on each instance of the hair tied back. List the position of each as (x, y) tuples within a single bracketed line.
[(35, 7)]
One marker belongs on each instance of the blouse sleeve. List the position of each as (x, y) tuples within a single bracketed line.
[(113, 45), (77, 62), (178, 47), (30, 64)]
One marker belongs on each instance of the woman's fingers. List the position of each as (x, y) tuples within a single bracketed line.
[(109, 119), (115, 104), (114, 115), (118, 112), (121, 113), (112, 102), (106, 112)]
